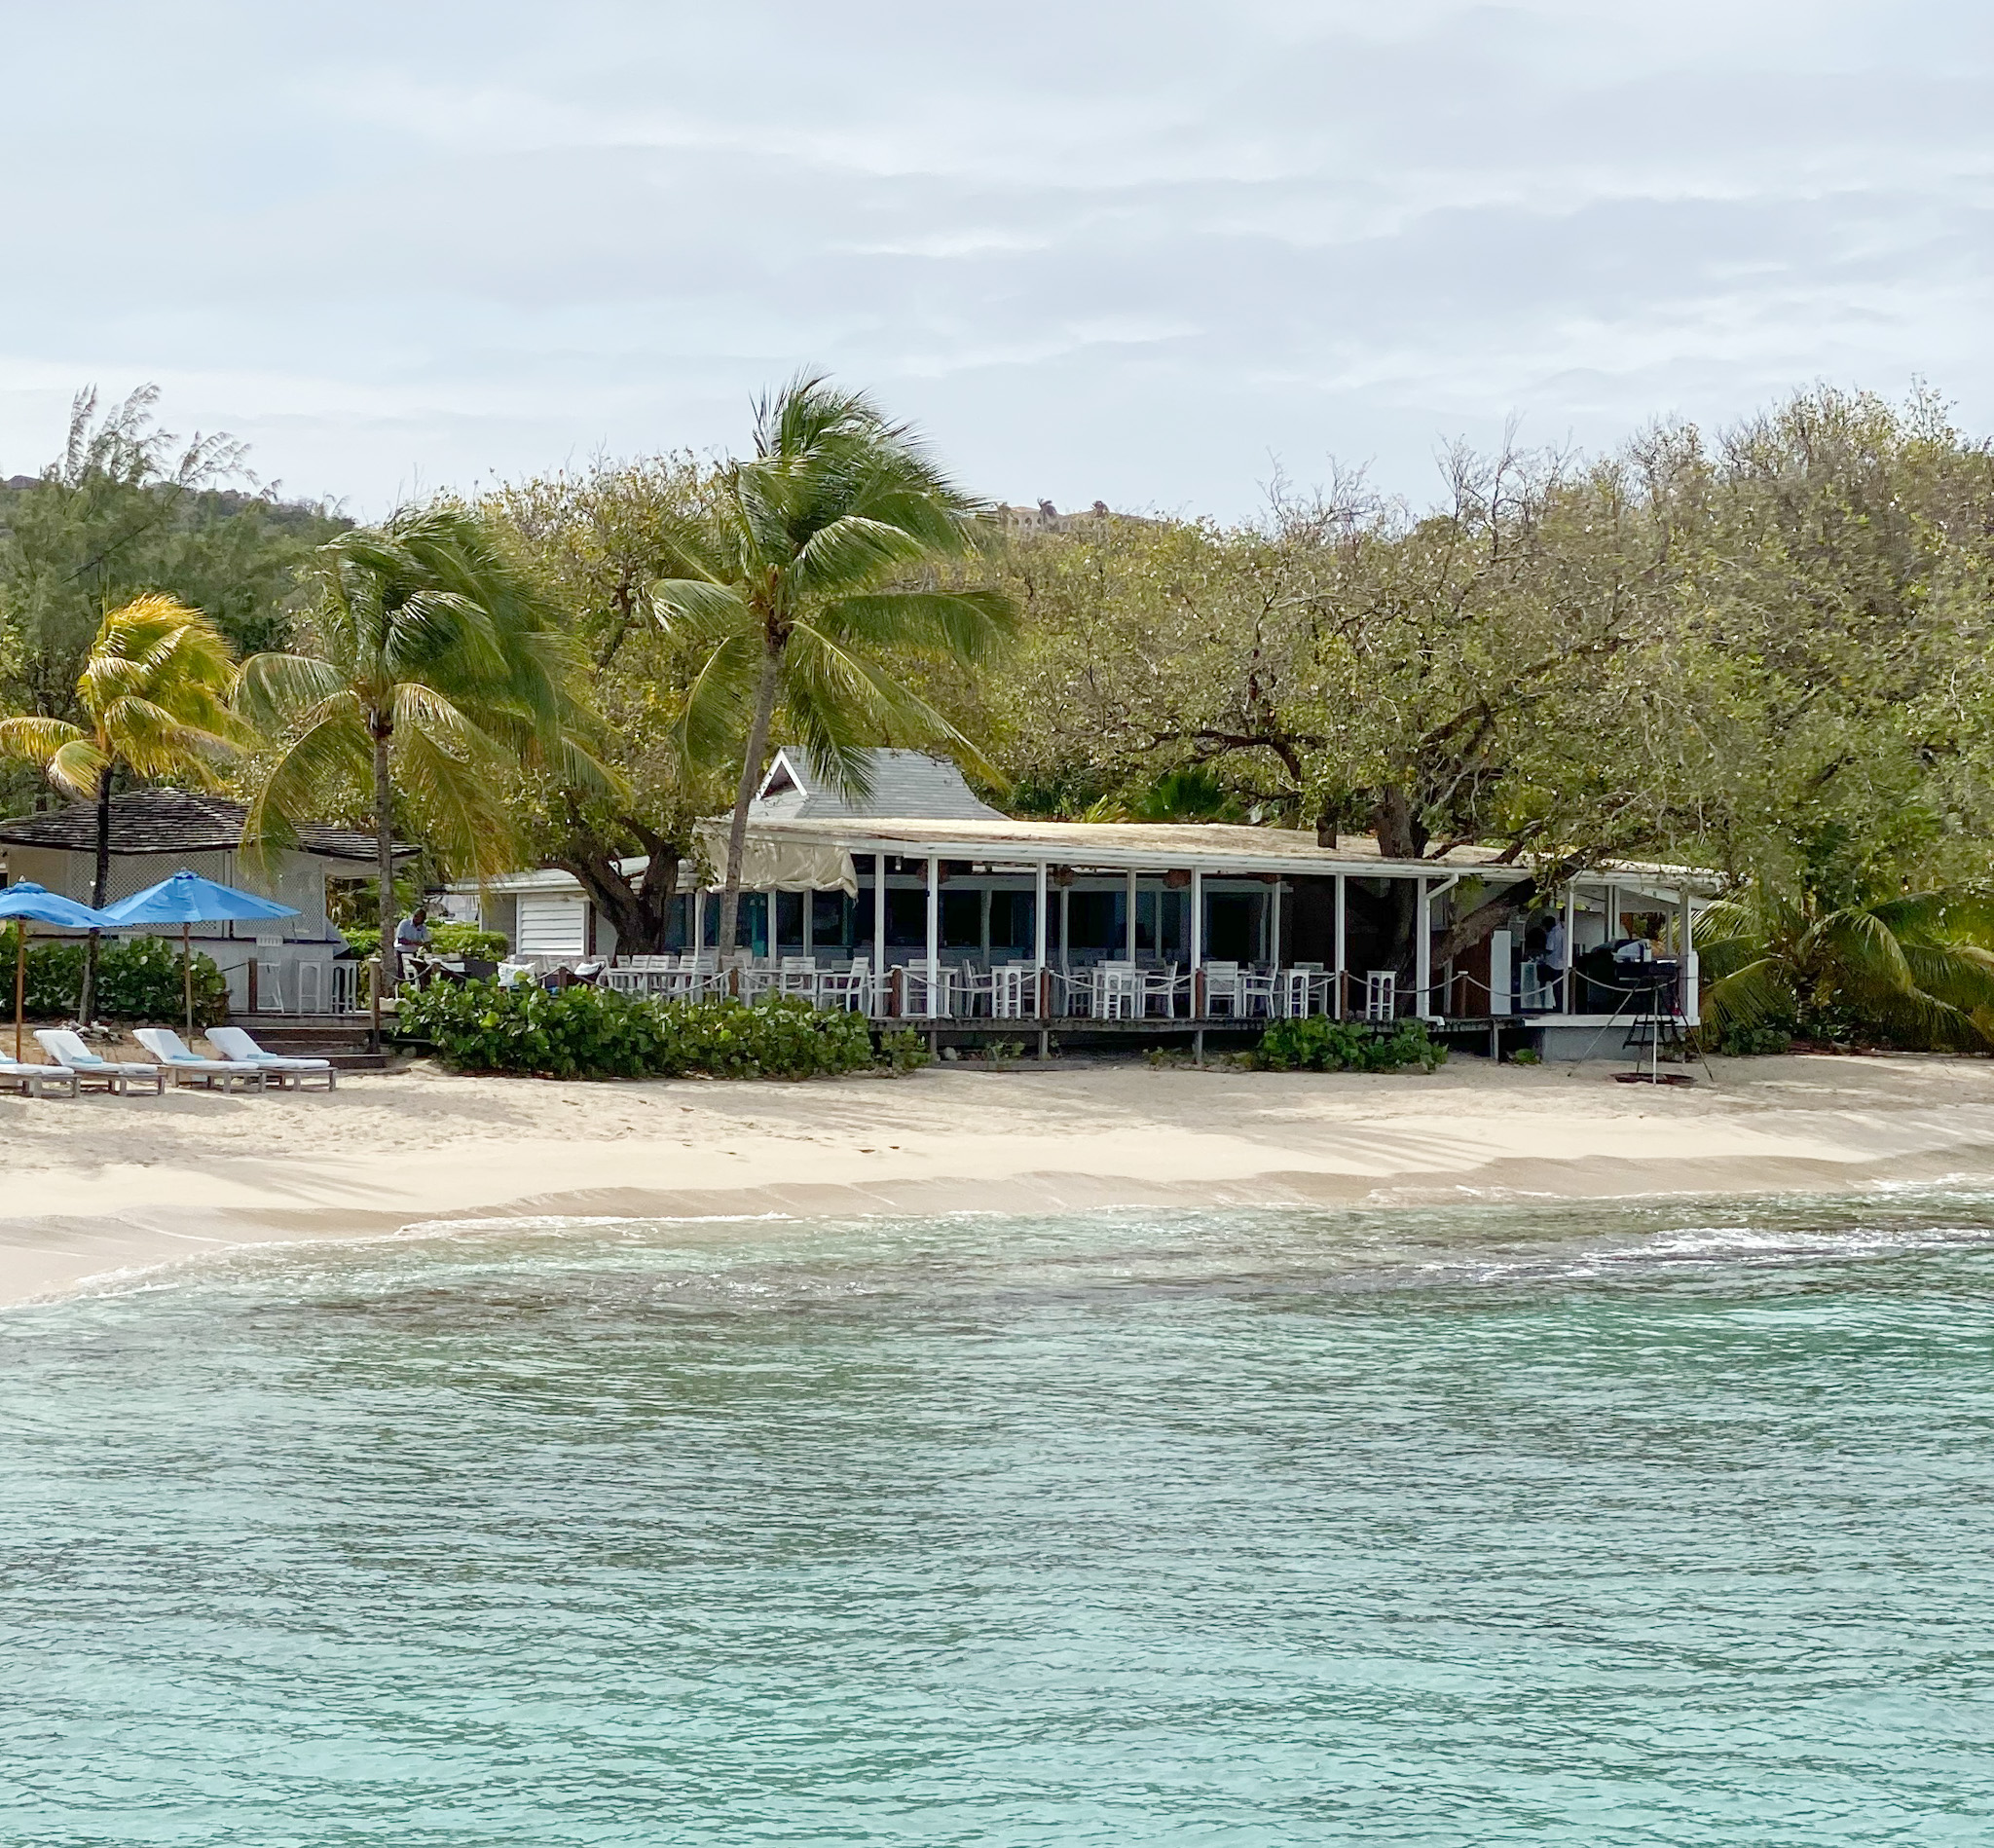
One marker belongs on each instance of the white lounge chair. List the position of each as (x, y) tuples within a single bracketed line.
[(237, 1045), (65, 1046), (32, 1080), (187, 1067)]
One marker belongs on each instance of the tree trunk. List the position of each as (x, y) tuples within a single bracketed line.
[(1397, 825), (384, 849), (100, 890), (640, 914), (750, 774)]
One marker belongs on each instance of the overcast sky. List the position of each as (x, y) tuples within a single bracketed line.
[(1139, 252)]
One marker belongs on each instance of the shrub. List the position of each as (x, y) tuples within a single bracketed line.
[(1526, 1055), (445, 939), (586, 1032), (1757, 1039), (1314, 1042), (905, 1051), (138, 978)]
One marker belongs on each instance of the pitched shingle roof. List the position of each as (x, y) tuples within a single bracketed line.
[(906, 784), (171, 822)]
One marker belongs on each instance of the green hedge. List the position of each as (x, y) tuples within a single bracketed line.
[(1314, 1042), (138, 978), (585, 1032), (445, 939)]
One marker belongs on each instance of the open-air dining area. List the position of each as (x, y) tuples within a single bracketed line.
[(971, 925)]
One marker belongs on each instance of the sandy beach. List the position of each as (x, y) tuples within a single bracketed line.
[(105, 1185)]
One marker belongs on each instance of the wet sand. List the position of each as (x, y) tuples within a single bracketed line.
[(105, 1185)]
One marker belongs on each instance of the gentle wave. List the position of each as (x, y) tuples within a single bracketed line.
[(1663, 1523)]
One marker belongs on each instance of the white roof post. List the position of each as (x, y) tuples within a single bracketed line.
[(1422, 954), (879, 933), (1039, 920), (1342, 936), (933, 932), (1128, 935)]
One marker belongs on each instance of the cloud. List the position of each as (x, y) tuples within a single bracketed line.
[(1137, 252)]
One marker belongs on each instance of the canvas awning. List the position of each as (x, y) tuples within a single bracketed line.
[(783, 863)]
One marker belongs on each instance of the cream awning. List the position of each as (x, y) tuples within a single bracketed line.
[(783, 863)]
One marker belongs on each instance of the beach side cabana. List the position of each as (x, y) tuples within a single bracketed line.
[(964, 921), (292, 964)]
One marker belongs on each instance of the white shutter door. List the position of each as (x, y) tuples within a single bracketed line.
[(551, 927)]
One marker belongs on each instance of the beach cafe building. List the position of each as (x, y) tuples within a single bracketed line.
[(293, 965), (924, 905)]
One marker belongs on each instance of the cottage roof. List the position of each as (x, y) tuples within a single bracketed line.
[(904, 783), (172, 821), (1214, 847)]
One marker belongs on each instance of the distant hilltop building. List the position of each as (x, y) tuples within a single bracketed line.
[(1028, 522)]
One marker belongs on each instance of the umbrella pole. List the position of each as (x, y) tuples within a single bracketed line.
[(186, 974), (19, 981)]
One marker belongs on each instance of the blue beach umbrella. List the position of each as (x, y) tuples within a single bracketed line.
[(185, 899), (24, 902)]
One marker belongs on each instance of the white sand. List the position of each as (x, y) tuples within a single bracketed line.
[(105, 1185)]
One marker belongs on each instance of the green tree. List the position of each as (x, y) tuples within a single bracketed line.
[(1917, 968), (597, 540), (153, 694), (436, 669), (130, 508), (793, 587)]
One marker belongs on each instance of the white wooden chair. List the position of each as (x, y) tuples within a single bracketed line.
[(916, 978), (1380, 994), (847, 990), (1014, 992), (1118, 992), (798, 975), (1224, 987)]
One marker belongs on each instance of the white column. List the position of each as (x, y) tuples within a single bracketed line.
[(698, 921), (1128, 948), (879, 991), (933, 934), (1568, 982), (1196, 936), (1686, 952), (1039, 919), (1422, 954), (1340, 935), (1065, 927)]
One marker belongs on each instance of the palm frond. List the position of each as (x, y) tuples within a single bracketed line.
[(331, 751), (968, 625), (35, 740), (271, 689), (1761, 990)]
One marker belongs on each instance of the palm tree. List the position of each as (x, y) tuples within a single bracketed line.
[(154, 691), (1916, 966), (792, 592), (437, 669)]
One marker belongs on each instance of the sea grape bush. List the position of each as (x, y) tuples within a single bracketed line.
[(1314, 1042), (445, 939), (138, 978), (587, 1032)]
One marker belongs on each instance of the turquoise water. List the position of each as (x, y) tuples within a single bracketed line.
[(1553, 1526)]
